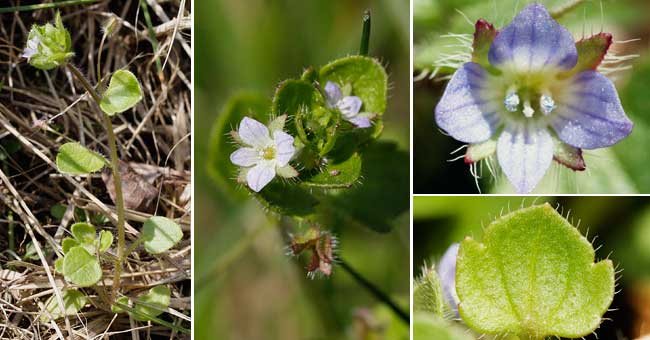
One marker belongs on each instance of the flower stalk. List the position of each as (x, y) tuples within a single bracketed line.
[(117, 180)]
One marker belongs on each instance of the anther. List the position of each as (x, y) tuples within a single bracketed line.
[(547, 104), (512, 101)]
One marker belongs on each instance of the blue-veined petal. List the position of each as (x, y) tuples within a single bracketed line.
[(447, 272), (533, 41), (467, 110), (349, 106), (360, 121), (254, 133), (524, 152), (284, 148), (589, 114), (260, 175), (333, 93), (245, 157)]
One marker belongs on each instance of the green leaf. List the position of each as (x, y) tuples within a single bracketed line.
[(81, 268), (428, 327), (84, 233), (68, 243), (591, 52), (58, 265), (288, 200), (57, 211), (382, 196), (295, 98), (122, 94), (160, 234), (427, 294), (336, 174), (105, 240), (152, 304), (368, 81), (75, 159), (73, 302), (219, 166), (122, 300), (534, 276)]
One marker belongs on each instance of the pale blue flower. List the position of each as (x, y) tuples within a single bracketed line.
[(527, 98), (349, 106)]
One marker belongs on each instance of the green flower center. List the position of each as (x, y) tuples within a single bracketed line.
[(268, 153)]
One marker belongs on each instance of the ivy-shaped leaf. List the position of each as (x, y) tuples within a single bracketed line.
[(287, 199), (73, 302), (75, 159), (219, 165), (152, 304), (84, 232), (368, 81), (534, 276), (81, 268), (160, 234), (68, 243), (123, 93), (295, 98)]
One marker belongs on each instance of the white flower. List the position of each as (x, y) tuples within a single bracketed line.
[(264, 153), (32, 47), (349, 106)]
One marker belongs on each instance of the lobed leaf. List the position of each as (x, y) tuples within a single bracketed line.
[(160, 234), (84, 232), (81, 268), (428, 327), (123, 93), (73, 302), (75, 159), (105, 240), (152, 304), (534, 276)]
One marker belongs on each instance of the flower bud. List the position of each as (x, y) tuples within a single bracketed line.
[(48, 46)]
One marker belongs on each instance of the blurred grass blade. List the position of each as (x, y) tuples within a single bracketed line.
[(45, 6), (365, 34)]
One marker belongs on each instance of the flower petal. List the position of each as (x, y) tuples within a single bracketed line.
[(360, 122), (349, 106), (533, 41), (467, 110), (333, 92), (260, 175), (284, 148), (254, 133), (245, 157), (589, 114), (525, 152), (447, 272)]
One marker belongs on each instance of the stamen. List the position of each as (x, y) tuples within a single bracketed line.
[(268, 153), (547, 104), (512, 101), (528, 110)]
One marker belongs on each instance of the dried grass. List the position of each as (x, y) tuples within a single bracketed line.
[(39, 111)]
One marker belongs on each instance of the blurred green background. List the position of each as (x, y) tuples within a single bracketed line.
[(620, 169), (621, 226), (257, 291)]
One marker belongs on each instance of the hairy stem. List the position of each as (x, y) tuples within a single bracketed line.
[(117, 180), (375, 291)]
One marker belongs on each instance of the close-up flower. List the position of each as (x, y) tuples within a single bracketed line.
[(265, 153), (349, 106), (533, 96)]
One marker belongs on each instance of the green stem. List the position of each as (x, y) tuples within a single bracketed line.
[(45, 6), (365, 34), (117, 180), (375, 291), (152, 33)]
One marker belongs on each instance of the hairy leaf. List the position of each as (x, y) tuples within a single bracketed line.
[(428, 327), (152, 304), (123, 93), (534, 276), (160, 234), (75, 159), (81, 268), (73, 302), (336, 174)]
